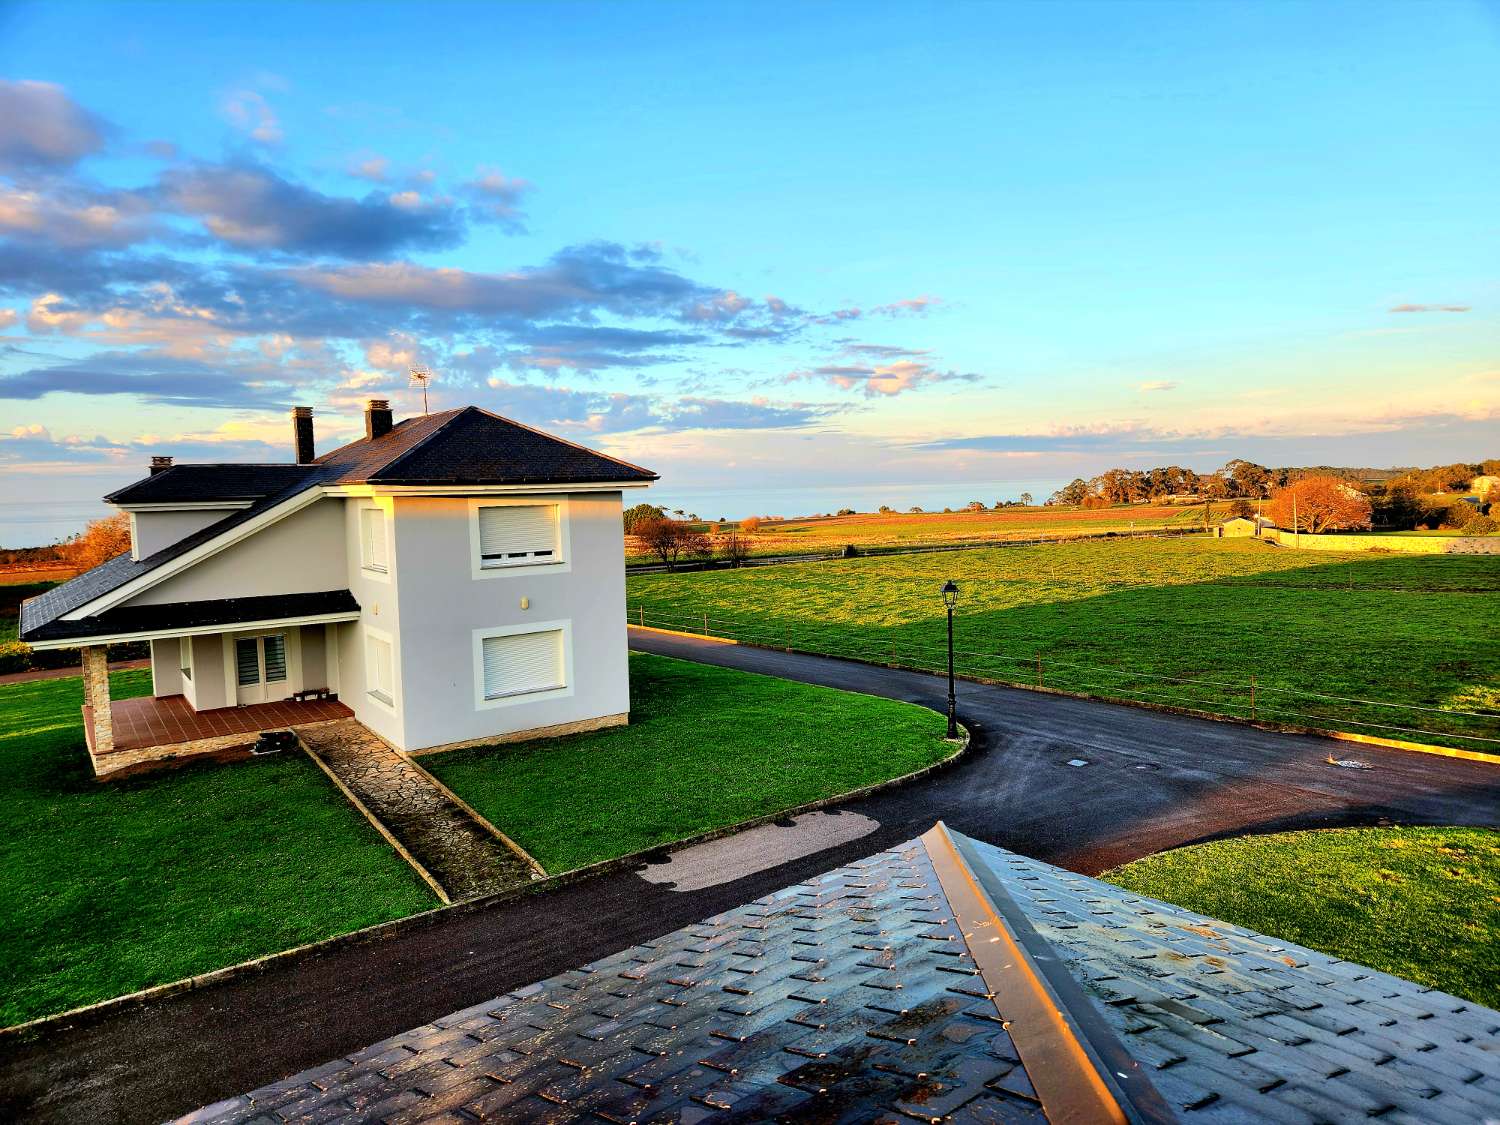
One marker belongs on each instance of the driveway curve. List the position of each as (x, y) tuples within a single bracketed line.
[(1080, 783)]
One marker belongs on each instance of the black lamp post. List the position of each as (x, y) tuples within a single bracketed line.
[(950, 599)]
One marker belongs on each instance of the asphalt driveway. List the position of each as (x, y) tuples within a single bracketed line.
[(1083, 784)]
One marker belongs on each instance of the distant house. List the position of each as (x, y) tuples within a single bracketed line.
[(1483, 486), (447, 579), (1243, 526)]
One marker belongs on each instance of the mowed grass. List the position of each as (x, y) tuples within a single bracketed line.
[(1422, 903), (1125, 619), (822, 534), (106, 888), (706, 747)]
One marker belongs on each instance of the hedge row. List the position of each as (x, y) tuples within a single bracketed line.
[(17, 656)]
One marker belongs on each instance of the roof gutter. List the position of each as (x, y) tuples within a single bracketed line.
[(198, 630)]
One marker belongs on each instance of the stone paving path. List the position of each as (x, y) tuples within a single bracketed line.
[(465, 858)]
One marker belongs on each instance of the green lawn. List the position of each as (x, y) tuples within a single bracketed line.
[(106, 888), (1112, 618), (1422, 903), (706, 747)]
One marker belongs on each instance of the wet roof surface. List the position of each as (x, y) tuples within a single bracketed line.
[(854, 997)]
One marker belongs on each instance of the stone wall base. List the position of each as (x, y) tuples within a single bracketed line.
[(118, 763), (556, 730)]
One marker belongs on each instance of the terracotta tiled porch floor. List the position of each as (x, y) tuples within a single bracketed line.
[(146, 722)]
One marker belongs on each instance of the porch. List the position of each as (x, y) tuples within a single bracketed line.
[(149, 729)]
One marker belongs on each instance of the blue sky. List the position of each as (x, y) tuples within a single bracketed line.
[(754, 244)]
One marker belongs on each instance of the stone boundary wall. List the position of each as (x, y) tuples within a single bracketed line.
[(1401, 544)]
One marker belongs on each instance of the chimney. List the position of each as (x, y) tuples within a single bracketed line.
[(160, 465), (302, 435), (377, 418)]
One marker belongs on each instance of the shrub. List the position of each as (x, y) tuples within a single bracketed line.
[(14, 657), (1481, 525)]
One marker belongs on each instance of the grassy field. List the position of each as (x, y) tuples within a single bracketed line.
[(105, 889), (823, 534), (1120, 619), (706, 747), (1422, 903)]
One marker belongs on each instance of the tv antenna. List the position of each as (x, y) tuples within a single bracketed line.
[(420, 377)]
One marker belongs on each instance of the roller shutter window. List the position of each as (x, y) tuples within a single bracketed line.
[(378, 675), (372, 538), (523, 663), (518, 535)]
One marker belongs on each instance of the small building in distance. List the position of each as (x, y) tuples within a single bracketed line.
[(1483, 486), (1238, 527)]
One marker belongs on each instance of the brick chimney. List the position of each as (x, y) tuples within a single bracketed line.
[(302, 435), (377, 418), (160, 464)]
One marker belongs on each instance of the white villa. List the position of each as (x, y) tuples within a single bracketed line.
[(450, 579)]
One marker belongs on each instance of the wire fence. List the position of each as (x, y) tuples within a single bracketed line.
[(1252, 699)]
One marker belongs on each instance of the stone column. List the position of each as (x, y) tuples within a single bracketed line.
[(96, 696)]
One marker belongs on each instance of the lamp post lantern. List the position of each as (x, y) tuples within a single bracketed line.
[(950, 599)]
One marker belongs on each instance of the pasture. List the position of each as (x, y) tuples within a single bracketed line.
[(1399, 647), (823, 534)]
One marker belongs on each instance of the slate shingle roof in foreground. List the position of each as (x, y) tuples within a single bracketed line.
[(462, 447), (856, 996)]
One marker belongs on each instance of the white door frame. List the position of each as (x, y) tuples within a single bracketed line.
[(263, 691)]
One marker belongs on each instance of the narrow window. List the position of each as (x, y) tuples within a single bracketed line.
[(185, 656), (275, 658), (372, 539), (378, 676), (246, 661), (522, 663), (518, 535)]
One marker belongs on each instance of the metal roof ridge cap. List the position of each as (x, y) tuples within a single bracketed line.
[(1081, 1072)]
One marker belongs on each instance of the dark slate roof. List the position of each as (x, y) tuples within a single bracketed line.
[(466, 446), (476, 447), (206, 483), (854, 997), (189, 615)]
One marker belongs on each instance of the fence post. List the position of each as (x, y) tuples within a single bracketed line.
[(1252, 699), (892, 663), (705, 624), (1038, 667), (642, 608)]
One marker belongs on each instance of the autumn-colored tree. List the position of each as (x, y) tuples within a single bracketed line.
[(734, 548), (639, 513), (750, 525), (1320, 503), (100, 542), (671, 541)]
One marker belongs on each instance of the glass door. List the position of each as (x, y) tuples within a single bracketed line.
[(260, 668)]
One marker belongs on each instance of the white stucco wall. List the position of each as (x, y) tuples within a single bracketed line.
[(151, 531), (302, 554), (380, 613), (208, 688), (442, 603), (166, 671)]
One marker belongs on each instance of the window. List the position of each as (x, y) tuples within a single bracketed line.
[(378, 671), (185, 657), (518, 535), (522, 663), (372, 539)]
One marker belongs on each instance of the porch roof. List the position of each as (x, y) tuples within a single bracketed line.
[(143, 622)]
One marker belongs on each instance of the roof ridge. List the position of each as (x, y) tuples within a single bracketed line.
[(453, 415), (367, 441), (565, 441)]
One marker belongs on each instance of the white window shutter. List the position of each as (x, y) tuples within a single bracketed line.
[(511, 535), (378, 675), (522, 663), (373, 529)]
